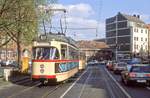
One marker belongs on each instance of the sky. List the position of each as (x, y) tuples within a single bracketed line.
[(91, 14)]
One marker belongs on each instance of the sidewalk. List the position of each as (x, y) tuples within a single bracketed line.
[(4, 84), (12, 80)]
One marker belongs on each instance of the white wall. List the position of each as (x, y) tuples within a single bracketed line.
[(140, 35)]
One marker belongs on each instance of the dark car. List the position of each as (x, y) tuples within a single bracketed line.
[(119, 67), (137, 73)]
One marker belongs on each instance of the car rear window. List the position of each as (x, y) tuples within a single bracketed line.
[(145, 69), (122, 64)]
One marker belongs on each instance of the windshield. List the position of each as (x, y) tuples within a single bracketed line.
[(145, 69), (45, 53)]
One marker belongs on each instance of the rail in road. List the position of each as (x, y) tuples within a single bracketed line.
[(94, 82)]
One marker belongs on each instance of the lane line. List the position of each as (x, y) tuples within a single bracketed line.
[(62, 96), (109, 88), (83, 87), (22, 91), (123, 90)]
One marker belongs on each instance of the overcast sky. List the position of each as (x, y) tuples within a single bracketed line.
[(92, 14)]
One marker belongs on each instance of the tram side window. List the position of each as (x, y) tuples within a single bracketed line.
[(73, 54), (64, 51), (56, 54)]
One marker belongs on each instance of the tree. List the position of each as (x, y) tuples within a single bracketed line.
[(18, 20)]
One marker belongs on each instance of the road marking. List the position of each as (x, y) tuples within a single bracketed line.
[(123, 90), (15, 94), (86, 81), (148, 88), (109, 89), (62, 96)]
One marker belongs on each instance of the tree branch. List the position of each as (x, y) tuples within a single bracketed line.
[(6, 42)]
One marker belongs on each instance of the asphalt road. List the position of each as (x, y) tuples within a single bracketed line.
[(135, 90), (94, 82)]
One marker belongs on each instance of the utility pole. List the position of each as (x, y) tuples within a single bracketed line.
[(116, 37), (148, 45), (6, 51)]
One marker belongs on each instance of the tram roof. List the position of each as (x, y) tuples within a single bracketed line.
[(56, 37)]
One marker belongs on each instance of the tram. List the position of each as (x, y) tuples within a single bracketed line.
[(55, 57), (82, 61)]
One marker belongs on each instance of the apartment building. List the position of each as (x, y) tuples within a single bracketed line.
[(127, 35)]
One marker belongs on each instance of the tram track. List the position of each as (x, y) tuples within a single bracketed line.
[(84, 85), (51, 91)]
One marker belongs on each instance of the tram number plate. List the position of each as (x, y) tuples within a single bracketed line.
[(141, 81)]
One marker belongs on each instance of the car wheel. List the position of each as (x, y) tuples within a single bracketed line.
[(115, 72), (148, 84)]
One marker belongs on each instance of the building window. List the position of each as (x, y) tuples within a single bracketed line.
[(137, 30), (137, 47), (141, 39), (145, 39), (137, 38), (134, 47), (146, 31), (141, 31), (134, 29)]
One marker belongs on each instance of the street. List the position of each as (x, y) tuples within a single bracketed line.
[(94, 82)]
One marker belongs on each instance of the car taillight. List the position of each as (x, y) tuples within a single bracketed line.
[(147, 75), (132, 75)]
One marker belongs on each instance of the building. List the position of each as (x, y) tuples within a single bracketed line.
[(90, 48), (127, 35), (9, 51), (148, 26), (101, 40)]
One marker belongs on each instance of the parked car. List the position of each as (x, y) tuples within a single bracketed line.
[(137, 73), (119, 67), (9, 63), (103, 62), (109, 65), (93, 62)]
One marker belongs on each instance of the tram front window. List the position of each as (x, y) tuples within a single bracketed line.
[(45, 53)]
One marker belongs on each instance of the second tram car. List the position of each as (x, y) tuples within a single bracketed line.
[(82, 60), (55, 57)]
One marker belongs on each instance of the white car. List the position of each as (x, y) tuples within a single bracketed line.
[(92, 62)]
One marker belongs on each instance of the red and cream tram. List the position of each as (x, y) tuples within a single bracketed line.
[(55, 57), (82, 61)]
